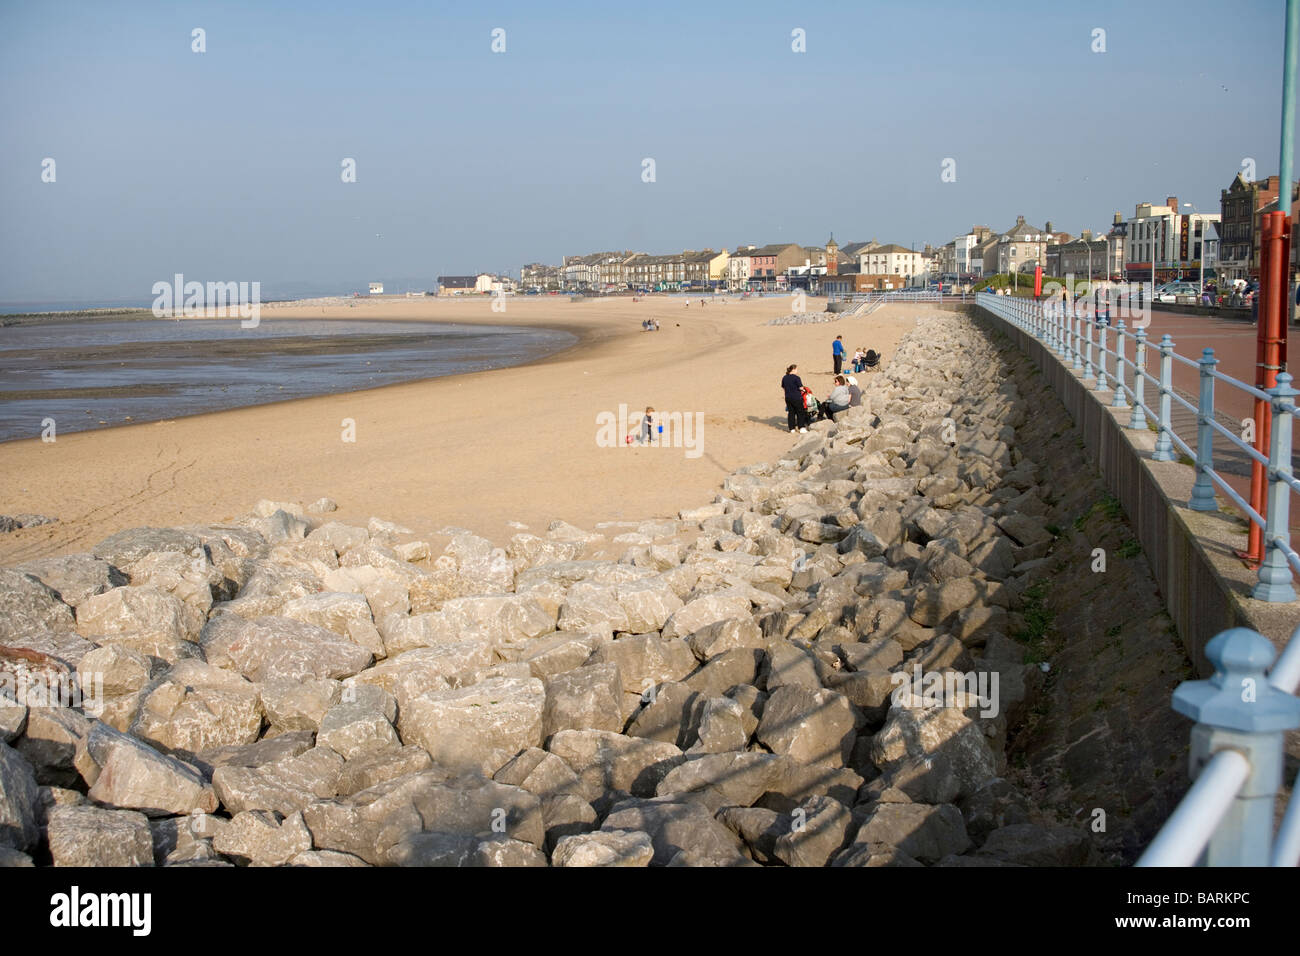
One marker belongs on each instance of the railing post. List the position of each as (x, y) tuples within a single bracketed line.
[(1087, 365), (1067, 350), (1139, 417), (1238, 709), (1119, 400), (1164, 450), (1078, 343), (1203, 490), (1101, 358), (1275, 573)]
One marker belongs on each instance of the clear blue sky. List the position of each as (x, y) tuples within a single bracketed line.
[(225, 165)]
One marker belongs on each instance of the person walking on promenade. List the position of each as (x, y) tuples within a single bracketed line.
[(837, 353), (792, 386)]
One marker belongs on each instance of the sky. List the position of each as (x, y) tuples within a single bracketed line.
[(227, 164)]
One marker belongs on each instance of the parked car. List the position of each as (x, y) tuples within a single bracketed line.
[(1170, 291)]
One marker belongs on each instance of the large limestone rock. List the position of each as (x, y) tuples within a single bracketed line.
[(646, 660), (605, 848), (587, 698), (539, 772), (283, 786), (134, 776), (358, 728), (91, 836), (275, 648), (374, 767), (675, 827), (812, 726), (725, 780), (606, 761), (423, 669), (114, 669), (819, 828), (298, 705), (704, 611), (28, 608), (268, 588), (146, 618), (1028, 844), (671, 715), (18, 801), (346, 614), (939, 754), (478, 727), (51, 742), (75, 577), (556, 653), (127, 547), (729, 634), (195, 706), (376, 824), (927, 833), (258, 837)]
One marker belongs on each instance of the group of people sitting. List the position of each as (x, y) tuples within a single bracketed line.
[(865, 359), (649, 325), (803, 408)]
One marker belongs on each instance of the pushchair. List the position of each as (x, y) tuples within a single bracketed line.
[(810, 405), (870, 361)]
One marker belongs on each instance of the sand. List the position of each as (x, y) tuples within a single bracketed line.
[(476, 451)]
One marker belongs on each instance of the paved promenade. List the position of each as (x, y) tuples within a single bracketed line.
[(1233, 341)]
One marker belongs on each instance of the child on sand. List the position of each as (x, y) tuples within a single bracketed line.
[(645, 430)]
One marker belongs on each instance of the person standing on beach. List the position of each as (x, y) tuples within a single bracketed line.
[(792, 386), (837, 353)]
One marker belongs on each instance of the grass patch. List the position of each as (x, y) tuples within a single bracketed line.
[(1113, 630), (1129, 549), (1038, 623)]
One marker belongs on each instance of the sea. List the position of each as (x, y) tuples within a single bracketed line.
[(76, 375)]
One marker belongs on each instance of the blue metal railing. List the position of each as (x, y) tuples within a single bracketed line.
[(1067, 332), (1242, 715)]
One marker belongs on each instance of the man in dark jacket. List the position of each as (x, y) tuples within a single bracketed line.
[(792, 385)]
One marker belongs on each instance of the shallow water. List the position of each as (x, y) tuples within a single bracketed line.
[(88, 375)]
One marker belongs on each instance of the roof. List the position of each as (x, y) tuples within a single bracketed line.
[(457, 282), (774, 249), (1022, 231), (854, 248), (892, 248)]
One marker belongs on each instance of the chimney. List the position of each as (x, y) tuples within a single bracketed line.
[(1118, 219), (1020, 220), (1172, 201), (1048, 230), (1086, 236)]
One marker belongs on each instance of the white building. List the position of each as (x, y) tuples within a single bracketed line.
[(894, 260), (376, 288), (1164, 238), (966, 258)]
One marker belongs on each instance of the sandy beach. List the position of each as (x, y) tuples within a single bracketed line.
[(475, 451)]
